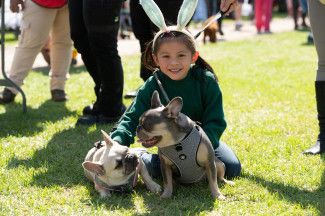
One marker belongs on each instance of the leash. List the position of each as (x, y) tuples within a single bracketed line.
[(161, 86), (216, 17)]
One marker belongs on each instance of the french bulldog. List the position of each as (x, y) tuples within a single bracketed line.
[(185, 151), (115, 168)]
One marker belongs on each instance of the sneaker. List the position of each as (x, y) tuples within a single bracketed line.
[(238, 26), (100, 118), (59, 95), (7, 96)]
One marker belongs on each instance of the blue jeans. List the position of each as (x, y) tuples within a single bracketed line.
[(223, 153)]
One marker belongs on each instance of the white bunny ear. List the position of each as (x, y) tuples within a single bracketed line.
[(154, 13), (185, 13)]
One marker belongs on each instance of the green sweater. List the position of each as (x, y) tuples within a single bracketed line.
[(202, 102)]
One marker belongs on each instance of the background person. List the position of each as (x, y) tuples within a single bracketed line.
[(39, 19), (94, 30), (317, 17)]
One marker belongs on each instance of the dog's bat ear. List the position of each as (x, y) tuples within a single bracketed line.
[(174, 107), (108, 140), (155, 100), (96, 168)]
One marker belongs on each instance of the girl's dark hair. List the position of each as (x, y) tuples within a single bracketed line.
[(181, 37)]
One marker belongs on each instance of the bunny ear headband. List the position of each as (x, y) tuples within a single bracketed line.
[(184, 16)]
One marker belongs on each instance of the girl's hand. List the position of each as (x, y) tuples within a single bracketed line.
[(228, 6)]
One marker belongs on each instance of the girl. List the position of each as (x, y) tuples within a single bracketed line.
[(182, 72)]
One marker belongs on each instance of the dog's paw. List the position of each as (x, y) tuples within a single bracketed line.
[(154, 187), (104, 194), (166, 194), (219, 196), (231, 183)]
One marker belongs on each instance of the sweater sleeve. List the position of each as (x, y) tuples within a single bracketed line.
[(126, 129), (213, 121)]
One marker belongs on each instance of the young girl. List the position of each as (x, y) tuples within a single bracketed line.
[(173, 53), (182, 72)]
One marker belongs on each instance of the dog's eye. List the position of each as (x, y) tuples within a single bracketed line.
[(119, 164)]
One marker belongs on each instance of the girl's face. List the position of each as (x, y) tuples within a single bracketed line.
[(174, 59)]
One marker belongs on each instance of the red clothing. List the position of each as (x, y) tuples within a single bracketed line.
[(51, 3), (263, 14)]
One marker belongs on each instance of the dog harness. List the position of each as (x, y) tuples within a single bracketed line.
[(183, 155)]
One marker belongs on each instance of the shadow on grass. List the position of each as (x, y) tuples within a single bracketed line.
[(305, 198), (63, 155), (16, 123), (73, 70), (186, 200)]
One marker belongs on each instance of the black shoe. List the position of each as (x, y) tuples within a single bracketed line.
[(90, 110), (100, 118), (59, 95), (319, 147), (7, 96)]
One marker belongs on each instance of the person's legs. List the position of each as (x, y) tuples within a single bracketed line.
[(35, 27), (229, 158), (152, 163), (79, 35), (304, 8), (102, 24), (268, 4), (61, 50), (238, 21), (143, 31), (295, 12), (258, 14), (317, 15)]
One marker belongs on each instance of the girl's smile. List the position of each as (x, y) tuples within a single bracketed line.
[(174, 59)]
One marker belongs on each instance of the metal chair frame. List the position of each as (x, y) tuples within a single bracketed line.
[(6, 81)]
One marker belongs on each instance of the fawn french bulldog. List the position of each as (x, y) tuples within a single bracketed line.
[(115, 168), (185, 151)]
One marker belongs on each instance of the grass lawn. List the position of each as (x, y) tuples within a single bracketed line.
[(268, 89)]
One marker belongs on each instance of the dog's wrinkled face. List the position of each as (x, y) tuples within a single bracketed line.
[(116, 163), (162, 126)]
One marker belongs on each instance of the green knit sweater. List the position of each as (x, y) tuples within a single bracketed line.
[(202, 102)]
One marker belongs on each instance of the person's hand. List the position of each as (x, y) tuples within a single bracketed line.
[(14, 5), (225, 4)]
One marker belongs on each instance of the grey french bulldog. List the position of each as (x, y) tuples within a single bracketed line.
[(115, 168), (185, 151)]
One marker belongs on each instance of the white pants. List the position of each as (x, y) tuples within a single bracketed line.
[(36, 26), (317, 18)]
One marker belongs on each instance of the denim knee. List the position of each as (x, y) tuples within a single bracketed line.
[(152, 163)]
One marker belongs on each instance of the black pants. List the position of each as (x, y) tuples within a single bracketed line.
[(94, 28), (144, 29)]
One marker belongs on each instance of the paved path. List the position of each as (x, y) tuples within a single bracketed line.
[(131, 46)]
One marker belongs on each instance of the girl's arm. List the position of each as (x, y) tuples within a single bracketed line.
[(213, 121), (126, 129)]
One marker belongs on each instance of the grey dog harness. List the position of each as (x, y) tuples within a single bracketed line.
[(183, 155)]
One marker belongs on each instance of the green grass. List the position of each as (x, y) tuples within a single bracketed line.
[(268, 89)]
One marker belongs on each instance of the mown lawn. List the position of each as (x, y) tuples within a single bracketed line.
[(268, 89)]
